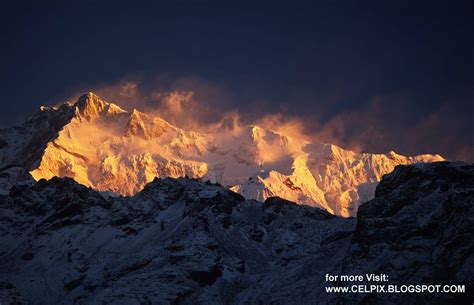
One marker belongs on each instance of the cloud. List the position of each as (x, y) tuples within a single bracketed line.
[(381, 124), (393, 123), (291, 126), (188, 102), (126, 93)]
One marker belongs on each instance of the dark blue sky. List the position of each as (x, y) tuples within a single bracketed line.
[(402, 70)]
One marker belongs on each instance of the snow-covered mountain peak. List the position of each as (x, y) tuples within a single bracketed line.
[(146, 126), (100, 145), (136, 125), (90, 107)]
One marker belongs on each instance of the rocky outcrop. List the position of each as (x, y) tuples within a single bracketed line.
[(14, 176), (24, 145), (418, 230)]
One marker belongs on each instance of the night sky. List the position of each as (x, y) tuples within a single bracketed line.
[(367, 75)]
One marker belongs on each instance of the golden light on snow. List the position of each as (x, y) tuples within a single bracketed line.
[(110, 149)]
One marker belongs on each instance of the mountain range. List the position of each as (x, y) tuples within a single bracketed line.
[(100, 145)]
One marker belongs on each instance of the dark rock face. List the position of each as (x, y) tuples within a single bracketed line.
[(418, 229), (23, 146), (181, 241), (206, 278), (435, 193)]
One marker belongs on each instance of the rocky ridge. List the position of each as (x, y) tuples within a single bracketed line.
[(182, 241)]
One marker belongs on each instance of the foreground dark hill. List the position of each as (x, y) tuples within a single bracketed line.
[(182, 241)]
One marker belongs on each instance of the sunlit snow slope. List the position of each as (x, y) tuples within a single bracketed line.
[(107, 148)]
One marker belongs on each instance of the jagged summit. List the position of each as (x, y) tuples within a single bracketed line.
[(100, 145), (146, 127), (136, 125), (90, 106)]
